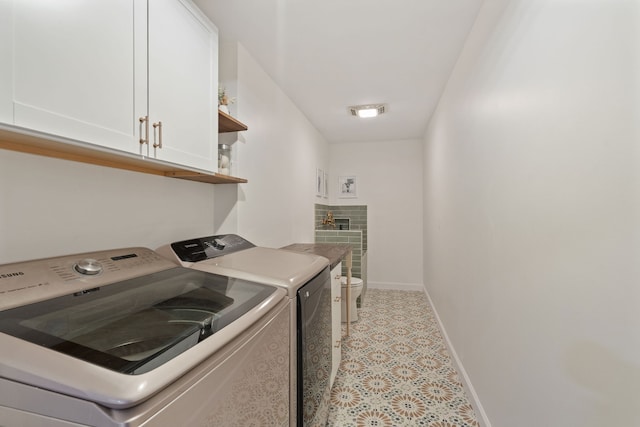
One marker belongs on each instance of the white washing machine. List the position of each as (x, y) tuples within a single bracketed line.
[(307, 281), (126, 338)]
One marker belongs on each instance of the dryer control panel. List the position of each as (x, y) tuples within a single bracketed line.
[(202, 248)]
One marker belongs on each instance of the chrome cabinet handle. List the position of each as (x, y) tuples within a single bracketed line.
[(337, 345), (144, 137), (337, 277), (337, 299), (159, 139)]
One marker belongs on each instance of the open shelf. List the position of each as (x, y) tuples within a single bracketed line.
[(216, 178), (226, 123), (60, 148)]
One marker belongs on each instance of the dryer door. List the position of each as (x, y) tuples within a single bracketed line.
[(314, 346)]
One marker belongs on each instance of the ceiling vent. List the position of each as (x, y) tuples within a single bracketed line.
[(366, 111)]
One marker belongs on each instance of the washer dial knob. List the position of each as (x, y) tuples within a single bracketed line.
[(88, 267)]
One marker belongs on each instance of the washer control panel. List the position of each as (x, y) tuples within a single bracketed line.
[(32, 281)]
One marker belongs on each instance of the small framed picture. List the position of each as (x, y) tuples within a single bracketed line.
[(319, 182), (347, 187), (325, 192)]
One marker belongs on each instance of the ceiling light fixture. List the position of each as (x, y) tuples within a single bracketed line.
[(366, 111)]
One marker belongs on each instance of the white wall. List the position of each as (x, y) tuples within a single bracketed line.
[(532, 221), (51, 207), (279, 155), (389, 182)]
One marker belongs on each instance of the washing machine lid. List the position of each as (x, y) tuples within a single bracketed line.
[(119, 343)]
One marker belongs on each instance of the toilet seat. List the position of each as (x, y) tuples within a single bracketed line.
[(356, 282)]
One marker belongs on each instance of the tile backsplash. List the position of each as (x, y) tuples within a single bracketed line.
[(357, 215), (356, 236)]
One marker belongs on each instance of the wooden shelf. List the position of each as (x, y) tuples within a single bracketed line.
[(216, 178), (226, 123), (59, 148)]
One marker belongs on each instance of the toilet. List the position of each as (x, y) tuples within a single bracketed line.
[(356, 290)]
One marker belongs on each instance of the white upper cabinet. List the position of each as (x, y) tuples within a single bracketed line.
[(74, 68), (183, 84), (6, 71), (89, 70)]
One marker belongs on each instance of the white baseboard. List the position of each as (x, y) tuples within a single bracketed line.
[(475, 402), (395, 286)]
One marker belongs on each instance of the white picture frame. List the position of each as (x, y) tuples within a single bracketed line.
[(325, 191), (319, 182), (347, 187)]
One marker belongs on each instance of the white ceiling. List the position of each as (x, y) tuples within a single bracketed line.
[(329, 54)]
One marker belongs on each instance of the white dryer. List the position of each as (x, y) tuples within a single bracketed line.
[(307, 281)]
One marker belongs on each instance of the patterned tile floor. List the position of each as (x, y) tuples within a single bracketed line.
[(396, 369)]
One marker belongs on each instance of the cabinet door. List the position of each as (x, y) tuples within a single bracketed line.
[(183, 81), (6, 66), (336, 320), (74, 69)]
